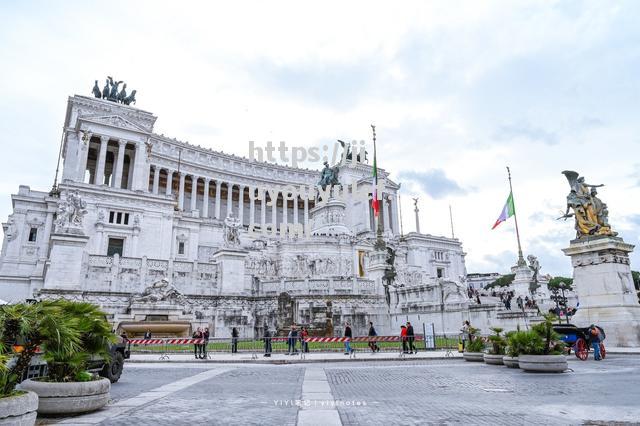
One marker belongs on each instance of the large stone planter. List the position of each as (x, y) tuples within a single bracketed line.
[(543, 363), (510, 361), (69, 398), (493, 359), (19, 410), (473, 356)]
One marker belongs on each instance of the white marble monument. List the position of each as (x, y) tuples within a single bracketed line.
[(602, 280)]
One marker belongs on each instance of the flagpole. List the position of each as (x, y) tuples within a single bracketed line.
[(515, 218), (379, 244)]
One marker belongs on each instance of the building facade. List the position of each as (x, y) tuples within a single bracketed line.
[(141, 224)]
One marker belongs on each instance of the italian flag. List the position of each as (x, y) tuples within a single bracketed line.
[(374, 202), (508, 210)]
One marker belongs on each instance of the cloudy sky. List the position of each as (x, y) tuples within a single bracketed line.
[(458, 91)]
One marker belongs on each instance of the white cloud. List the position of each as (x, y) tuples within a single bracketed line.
[(464, 87)]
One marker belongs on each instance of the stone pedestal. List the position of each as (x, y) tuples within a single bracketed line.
[(522, 282), (602, 280), (329, 218), (65, 266), (231, 274)]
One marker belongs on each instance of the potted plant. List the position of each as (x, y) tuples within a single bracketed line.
[(16, 406), (496, 348), (542, 350), (473, 349), (68, 388), (514, 341)]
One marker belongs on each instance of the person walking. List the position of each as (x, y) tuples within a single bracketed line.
[(348, 335), (372, 342), (196, 346), (289, 343), (147, 334), (403, 338), (291, 340), (594, 334), (411, 338), (205, 336), (466, 333), (267, 340), (303, 335), (234, 340)]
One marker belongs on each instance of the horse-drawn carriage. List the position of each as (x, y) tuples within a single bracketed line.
[(579, 339)]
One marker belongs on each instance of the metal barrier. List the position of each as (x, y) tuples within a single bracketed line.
[(296, 346)]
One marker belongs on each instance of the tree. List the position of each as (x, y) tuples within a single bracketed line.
[(503, 281), (557, 286), (560, 283), (636, 279)]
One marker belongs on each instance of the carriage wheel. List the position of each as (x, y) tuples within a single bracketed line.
[(603, 352), (581, 349)]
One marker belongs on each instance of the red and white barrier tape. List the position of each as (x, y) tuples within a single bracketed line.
[(167, 341)]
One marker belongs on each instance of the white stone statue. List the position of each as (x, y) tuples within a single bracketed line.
[(71, 211), (453, 291), (10, 232), (160, 291), (230, 231)]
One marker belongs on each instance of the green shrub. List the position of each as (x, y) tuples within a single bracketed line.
[(69, 333), (498, 342), (91, 336), (476, 344), (83, 376), (541, 339), (515, 343)]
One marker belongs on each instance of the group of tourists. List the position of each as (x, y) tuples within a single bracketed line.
[(293, 337), (408, 337), (200, 349)]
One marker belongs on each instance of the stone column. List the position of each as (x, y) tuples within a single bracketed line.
[(274, 211), (390, 217), (306, 212), (181, 191), (117, 180), (366, 204), (205, 198), (229, 198), (252, 205), (169, 182), (396, 214), (102, 156), (295, 210), (385, 214), (285, 205), (263, 209), (217, 211), (194, 192), (83, 153), (140, 178), (156, 179), (241, 203)]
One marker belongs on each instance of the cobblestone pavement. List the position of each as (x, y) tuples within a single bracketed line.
[(455, 392), (242, 396), (389, 393)]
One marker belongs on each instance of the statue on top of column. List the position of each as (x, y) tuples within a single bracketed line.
[(590, 213), (329, 176)]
